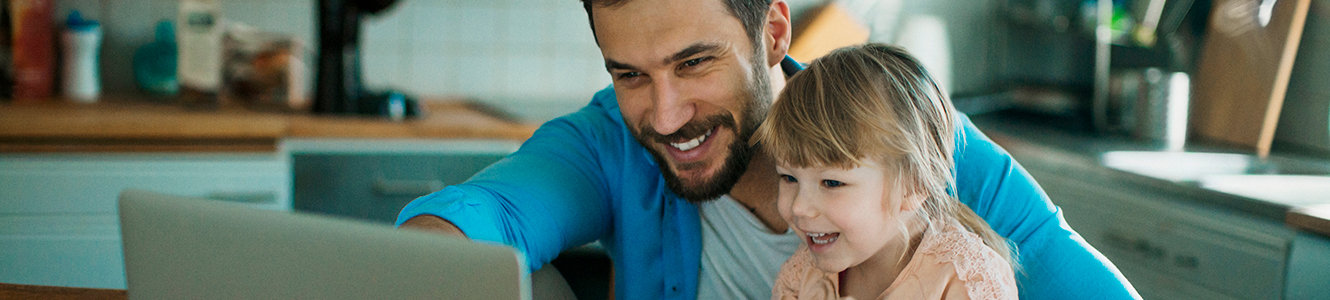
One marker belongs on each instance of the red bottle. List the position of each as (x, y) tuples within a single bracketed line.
[(34, 56)]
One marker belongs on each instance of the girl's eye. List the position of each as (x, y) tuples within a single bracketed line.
[(788, 178), (832, 183)]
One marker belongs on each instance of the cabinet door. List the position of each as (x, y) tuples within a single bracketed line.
[(58, 218), (1169, 248)]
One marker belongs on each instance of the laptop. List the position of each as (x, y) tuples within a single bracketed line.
[(189, 248)]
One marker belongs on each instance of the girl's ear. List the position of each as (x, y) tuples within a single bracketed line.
[(913, 197)]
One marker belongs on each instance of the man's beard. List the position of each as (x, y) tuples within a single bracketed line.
[(756, 102)]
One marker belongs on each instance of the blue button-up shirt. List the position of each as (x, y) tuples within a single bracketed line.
[(583, 177)]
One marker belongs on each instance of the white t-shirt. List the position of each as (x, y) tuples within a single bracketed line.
[(740, 256)]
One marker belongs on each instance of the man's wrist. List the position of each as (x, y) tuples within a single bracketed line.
[(432, 223)]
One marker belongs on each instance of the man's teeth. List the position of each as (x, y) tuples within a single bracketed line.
[(823, 238), (689, 145)]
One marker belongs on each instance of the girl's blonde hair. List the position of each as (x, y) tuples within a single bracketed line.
[(875, 102)]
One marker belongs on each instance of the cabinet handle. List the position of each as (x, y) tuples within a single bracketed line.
[(406, 187), (264, 197)]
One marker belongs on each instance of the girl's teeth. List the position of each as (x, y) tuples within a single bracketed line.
[(823, 238)]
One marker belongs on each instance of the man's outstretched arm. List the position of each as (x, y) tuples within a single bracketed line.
[(548, 196), (1056, 262)]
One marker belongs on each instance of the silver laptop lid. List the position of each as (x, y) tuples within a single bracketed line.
[(186, 248)]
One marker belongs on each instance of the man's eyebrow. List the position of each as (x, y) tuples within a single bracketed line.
[(690, 51), (611, 64)]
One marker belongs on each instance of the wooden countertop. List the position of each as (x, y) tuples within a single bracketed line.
[(1315, 218), (132, 125), (21, 291)]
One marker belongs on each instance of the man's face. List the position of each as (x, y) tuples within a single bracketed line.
[(690, 87)]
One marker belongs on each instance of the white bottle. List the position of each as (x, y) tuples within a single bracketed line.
[(82, 39), (199, 36)]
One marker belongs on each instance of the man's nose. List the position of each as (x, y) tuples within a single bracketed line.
[(671, 108)]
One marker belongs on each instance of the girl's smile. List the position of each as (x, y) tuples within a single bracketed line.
[(846, 216)]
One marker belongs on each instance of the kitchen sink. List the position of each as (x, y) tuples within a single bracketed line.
[(1288, 181), (1291, 190), (1179, 166)]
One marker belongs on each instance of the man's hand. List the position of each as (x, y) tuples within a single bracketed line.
[(432, 223)]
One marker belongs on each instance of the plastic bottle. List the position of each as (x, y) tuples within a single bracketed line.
[(199, 37), (83, 39)]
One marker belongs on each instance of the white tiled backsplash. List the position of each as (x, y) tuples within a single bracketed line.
[(499, 51), (536, 58)]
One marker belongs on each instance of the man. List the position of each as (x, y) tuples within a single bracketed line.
[(659, 170)]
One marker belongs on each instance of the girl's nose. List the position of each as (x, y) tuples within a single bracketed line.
[(804, 205)]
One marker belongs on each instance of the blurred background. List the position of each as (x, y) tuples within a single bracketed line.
[(1188, 141)]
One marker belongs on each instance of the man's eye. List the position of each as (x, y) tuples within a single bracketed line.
[(629, 75), (832, 183), (695, 61), (788, 178)]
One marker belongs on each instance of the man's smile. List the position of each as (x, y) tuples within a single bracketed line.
[(691, 154), (689, 145)]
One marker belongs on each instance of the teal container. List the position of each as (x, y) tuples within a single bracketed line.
[(155, 63)]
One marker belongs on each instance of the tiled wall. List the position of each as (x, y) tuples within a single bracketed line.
[(509, 50), (536, 55), (505, 51)]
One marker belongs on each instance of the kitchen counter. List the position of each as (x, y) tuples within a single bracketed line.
[(1071, 145), (126, 124)]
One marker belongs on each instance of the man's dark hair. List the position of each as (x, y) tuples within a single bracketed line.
[(751, 14)]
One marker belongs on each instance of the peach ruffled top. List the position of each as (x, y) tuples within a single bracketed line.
[(949, 263)]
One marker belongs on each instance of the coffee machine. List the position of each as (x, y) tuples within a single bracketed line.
[(339, 88)]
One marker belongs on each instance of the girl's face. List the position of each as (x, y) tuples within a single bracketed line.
[(846, 217)]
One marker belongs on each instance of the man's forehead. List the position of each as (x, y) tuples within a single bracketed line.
[(649, 31)]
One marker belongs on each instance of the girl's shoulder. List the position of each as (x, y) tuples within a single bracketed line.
[(960, 257), (799, 279)]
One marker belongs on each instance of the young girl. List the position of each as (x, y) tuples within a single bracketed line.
[(863, 141)]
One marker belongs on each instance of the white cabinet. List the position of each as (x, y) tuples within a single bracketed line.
[(58, 218), (1168, 247)]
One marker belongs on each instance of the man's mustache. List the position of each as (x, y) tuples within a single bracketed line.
[(689, 131)]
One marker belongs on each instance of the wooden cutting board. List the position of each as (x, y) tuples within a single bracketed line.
[(1244, 71)]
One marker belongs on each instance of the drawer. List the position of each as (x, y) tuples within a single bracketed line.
[(372, 180), (375, 187), (72, 183), (1151, 236)]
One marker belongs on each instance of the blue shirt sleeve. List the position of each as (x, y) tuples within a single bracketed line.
[(1057, 263), (548, 196)]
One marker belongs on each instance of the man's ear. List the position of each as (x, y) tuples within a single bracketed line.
[(778, 30)]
